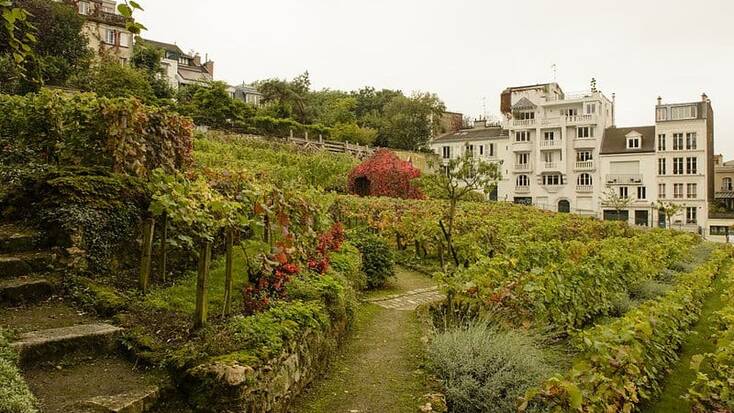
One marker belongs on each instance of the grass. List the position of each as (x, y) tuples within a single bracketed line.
[(681, 375), (15, 397), (404, 281), (378, 369), (181, 297)]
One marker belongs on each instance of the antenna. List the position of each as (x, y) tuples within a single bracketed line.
[(484, 107), (554, 68)]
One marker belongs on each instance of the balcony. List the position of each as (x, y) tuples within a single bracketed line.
[(522, 146), (585, 143), (579, 119), (584, 166), (522, 189), (522, 123), (624, 179), (584, 189), (551, 121), (551, 166), (523, 167), (550, 144)]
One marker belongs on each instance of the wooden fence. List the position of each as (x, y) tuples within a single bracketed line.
[(356, 150)]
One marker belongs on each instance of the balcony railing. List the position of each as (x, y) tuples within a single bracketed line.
[(624, 179), (574, 119), (550, 143), (584, 188), (522, 189), (523, 122), (550, 165), (584, 165), (523, 167)]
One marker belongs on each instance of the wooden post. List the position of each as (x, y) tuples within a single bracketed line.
[(163, 255), (306, 133), (148, 227), (291, 134), (205, 256), (228, 273), (441, 256)]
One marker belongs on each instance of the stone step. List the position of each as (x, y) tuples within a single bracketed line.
[(25, 290), (23, 263), (53, 344), (138, 401), (14, 238)]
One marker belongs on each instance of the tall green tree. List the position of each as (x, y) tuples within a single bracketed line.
[(212, 105), (148, 59), (411, 121), (286, 98)]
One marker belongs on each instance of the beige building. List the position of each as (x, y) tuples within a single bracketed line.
[(105, 29), (180, 68), (721, 214)]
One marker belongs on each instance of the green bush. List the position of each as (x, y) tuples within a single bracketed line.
[(378, 261), (348, 262), (81, 129), (483, 369), (649, 289), (15, 397)]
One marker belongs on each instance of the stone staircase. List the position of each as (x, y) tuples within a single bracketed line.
[(70, 359)]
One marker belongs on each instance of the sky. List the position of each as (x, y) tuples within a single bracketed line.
[(468, 51)]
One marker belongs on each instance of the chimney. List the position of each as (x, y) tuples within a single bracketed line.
[(704, 97), (480, 123), (209, 65), (660, 101), (197, 60)]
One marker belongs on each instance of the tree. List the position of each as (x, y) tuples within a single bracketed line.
[(459, 179), (61, 49), (17, 35), (353, 133), (670, 210), (410, 122), (614, 200), (286, 99), (112, 79), (213, 106), (148, 59)]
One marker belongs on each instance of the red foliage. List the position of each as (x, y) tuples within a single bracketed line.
[(329, 241), (384, 174)]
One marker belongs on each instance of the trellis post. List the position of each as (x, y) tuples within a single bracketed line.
[(202, 281), (164, 248), (145, 262), (228, 281)]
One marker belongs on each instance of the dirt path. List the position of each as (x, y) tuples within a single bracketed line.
[(681, 375), (378, 368)]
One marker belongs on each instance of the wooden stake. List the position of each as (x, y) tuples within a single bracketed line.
[(145, 262), (163, 255), (228, 273), (202, 281)]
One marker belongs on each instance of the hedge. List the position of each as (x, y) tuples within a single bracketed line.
[(15, 397), (713, 388), (623, 362), (82, 129)]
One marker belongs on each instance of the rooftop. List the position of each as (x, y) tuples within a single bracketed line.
[(481, 133), (615, 140)]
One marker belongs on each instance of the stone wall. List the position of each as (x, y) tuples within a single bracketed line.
[(235, 388)]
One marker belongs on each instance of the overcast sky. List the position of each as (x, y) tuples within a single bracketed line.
[(469, 50)]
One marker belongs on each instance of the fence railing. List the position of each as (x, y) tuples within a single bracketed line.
[(357, 150)]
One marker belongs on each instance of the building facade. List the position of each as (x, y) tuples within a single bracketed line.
[(182, 69), (721, 214), (247, 93), (105, 29), (563, 152)]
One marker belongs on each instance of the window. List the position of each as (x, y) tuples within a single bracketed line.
[(623, 192), (590, 108), (584, 156), (523, 158), (691, 141), (641, 192), (491, 150), (662, 170), (523, 181), (661, 142), (678, 191), (677, 141), (481, 150), (683, 112), (692, 166), (526, 115), (691, 217), (661, 114), (633, 143), (726, 184), (469, 149), (552, 180), (549, 136), (84, 8), (691, 191), (677, 166), (569, 112), (584, 180), (446, 152), (183, 61), (110, 36), (548, 157), (719, 230), (585, 132), (123, 39), (522, 136), (661, 191)]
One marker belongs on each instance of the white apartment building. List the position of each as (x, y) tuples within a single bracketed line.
[(182, 69), (554, 143), (563, 152)]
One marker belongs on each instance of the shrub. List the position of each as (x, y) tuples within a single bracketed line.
[(15, 397), (384, 174), (81, 129), (649, 289), (486, 370), (378, 262), (348, 263)]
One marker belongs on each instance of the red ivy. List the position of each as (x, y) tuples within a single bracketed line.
[(329, 241), (384, 174)]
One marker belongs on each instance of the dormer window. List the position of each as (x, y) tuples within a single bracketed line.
[(526, 115), (183, 61), (634, 141), (84, 8)]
